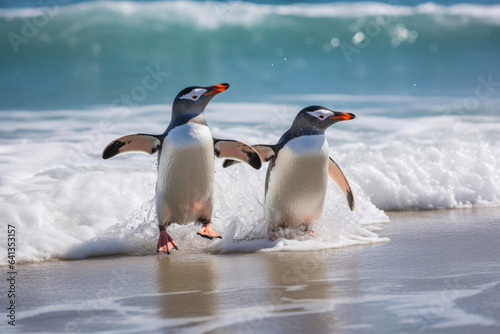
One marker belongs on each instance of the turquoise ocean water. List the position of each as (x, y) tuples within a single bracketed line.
[(89, 52)]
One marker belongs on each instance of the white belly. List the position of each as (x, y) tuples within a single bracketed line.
[(184, 190), (297, 183)]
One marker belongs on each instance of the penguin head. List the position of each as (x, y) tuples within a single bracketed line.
[(319, 118), (193, 100)]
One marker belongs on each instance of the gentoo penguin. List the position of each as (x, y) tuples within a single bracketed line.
[(185, 185), (299, 166)]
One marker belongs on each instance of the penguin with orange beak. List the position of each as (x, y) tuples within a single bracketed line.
[(186, 153), (299, 166)]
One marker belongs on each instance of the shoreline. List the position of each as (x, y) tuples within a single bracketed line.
[(438, 274)]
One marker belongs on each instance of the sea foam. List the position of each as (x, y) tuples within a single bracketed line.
[(212, 13), (66, 202)]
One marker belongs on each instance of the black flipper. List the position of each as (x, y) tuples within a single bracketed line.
[(233, 149), (266, 152), (339, 178), (132, 143)]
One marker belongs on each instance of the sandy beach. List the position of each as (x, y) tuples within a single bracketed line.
[(439, 273)]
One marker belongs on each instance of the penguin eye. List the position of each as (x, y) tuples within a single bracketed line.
[(320, 113), (194, 94)]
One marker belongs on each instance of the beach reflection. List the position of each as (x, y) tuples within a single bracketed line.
[(185, 283), (301, 286), (248, 292)]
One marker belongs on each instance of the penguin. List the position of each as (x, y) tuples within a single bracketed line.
[(299, 166), (186, 168)]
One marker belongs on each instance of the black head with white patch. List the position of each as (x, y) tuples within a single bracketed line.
[(193, 100), (318, 118)]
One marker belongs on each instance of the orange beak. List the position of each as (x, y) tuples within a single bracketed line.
[(216, 89), (342, 116)]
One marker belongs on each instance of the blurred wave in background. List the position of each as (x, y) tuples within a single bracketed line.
[(89, 52)]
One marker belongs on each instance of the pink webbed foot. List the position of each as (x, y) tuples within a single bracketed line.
[(166, 243), (207, 232), (272, 236)]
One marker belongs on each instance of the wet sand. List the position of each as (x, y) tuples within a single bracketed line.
[(439, 273)]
